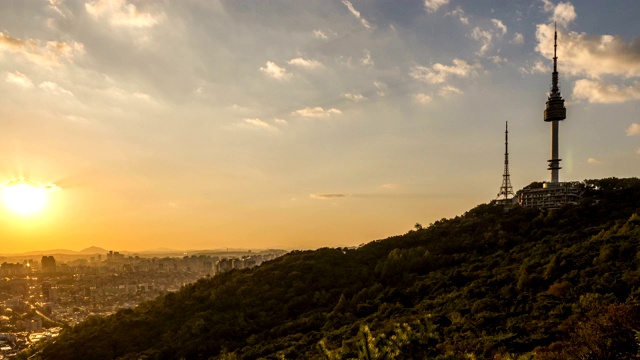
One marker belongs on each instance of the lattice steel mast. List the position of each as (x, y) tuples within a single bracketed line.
[(506, 189)]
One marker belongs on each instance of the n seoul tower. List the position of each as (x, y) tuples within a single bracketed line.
[(554, 113)]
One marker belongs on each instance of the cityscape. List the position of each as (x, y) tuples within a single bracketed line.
[(40, 296)]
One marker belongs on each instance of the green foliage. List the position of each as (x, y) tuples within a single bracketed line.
[(488, 284)]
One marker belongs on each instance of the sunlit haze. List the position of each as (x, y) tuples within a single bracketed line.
[(297, 124)]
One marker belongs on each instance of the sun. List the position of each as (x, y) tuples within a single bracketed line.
[(24, 197)]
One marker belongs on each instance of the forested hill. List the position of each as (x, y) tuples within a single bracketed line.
[(489, 284)]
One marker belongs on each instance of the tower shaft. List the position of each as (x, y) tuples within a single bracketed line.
[(506, 189), (554, 113)]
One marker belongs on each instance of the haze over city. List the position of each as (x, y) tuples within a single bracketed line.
[(297, 124)]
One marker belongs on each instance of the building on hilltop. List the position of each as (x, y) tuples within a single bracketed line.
[(552, 194)]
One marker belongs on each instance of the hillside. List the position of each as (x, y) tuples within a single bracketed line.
[(489, 283)]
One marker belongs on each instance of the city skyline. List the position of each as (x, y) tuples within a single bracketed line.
[(279, 124)]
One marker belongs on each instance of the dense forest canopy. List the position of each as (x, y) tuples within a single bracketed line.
[(492, 283)]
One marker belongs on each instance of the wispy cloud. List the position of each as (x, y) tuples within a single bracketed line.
[(122, 13), (54, 88), (327, 196), (50, 53), (366, 60), (357, 14), (633, 130), (434, 5), (537, 67), (305, 63), (422, 98), (319, 34), (500, 26), (381, 88), (316, 112), (439, 73), (593, 161), (18, 78), (354, 97), (460, 14), (595, 91), (274, 71), (449, 90), (517, 39)]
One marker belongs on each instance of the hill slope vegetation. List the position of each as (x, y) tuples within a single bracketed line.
[(488, 284)]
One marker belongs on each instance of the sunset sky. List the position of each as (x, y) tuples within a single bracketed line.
[(193, 124)]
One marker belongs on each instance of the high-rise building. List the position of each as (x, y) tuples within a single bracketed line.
[(48, 264)]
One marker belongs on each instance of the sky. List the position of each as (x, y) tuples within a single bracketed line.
[(193, 124)]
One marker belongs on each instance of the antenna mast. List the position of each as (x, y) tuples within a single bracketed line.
[(506, 189)]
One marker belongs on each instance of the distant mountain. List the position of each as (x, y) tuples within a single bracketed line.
[(93, 250), (49, 252), (490, 284)]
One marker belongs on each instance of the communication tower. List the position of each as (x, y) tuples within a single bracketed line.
[(506, 189), (554, 113)]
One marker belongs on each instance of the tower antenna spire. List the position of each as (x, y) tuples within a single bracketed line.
[(554, 113), (506, 189)]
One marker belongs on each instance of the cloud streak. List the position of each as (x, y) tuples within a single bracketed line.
[(50, 53), (439, 73), (121, 13), (357, 14), (327, 196), (316, 112), (274, 71)]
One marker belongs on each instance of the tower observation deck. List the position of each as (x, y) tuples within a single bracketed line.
[(554, 113), (553, 194)]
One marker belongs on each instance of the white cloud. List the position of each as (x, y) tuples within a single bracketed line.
[(316, 112), (598, 92), (390, 186), (274, 71), (564, 13), (459, 13), (366, 60), (633, 130), (499, 60), (518, 39), (319, 34), (356, 13), (255, 122), (305, 63), (422, 98), (54, 88), (538, 67), (354, 97), (327, 196), (593, 161), (500, 26), (483, 36), (51, 53), (121, 13), (280, 121), (18, 78), (434, 5), (638, 152), (381, 88), (579, 54), (439, 73), (449, 90)]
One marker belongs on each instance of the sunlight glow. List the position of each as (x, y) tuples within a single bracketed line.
[(24, 197)]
